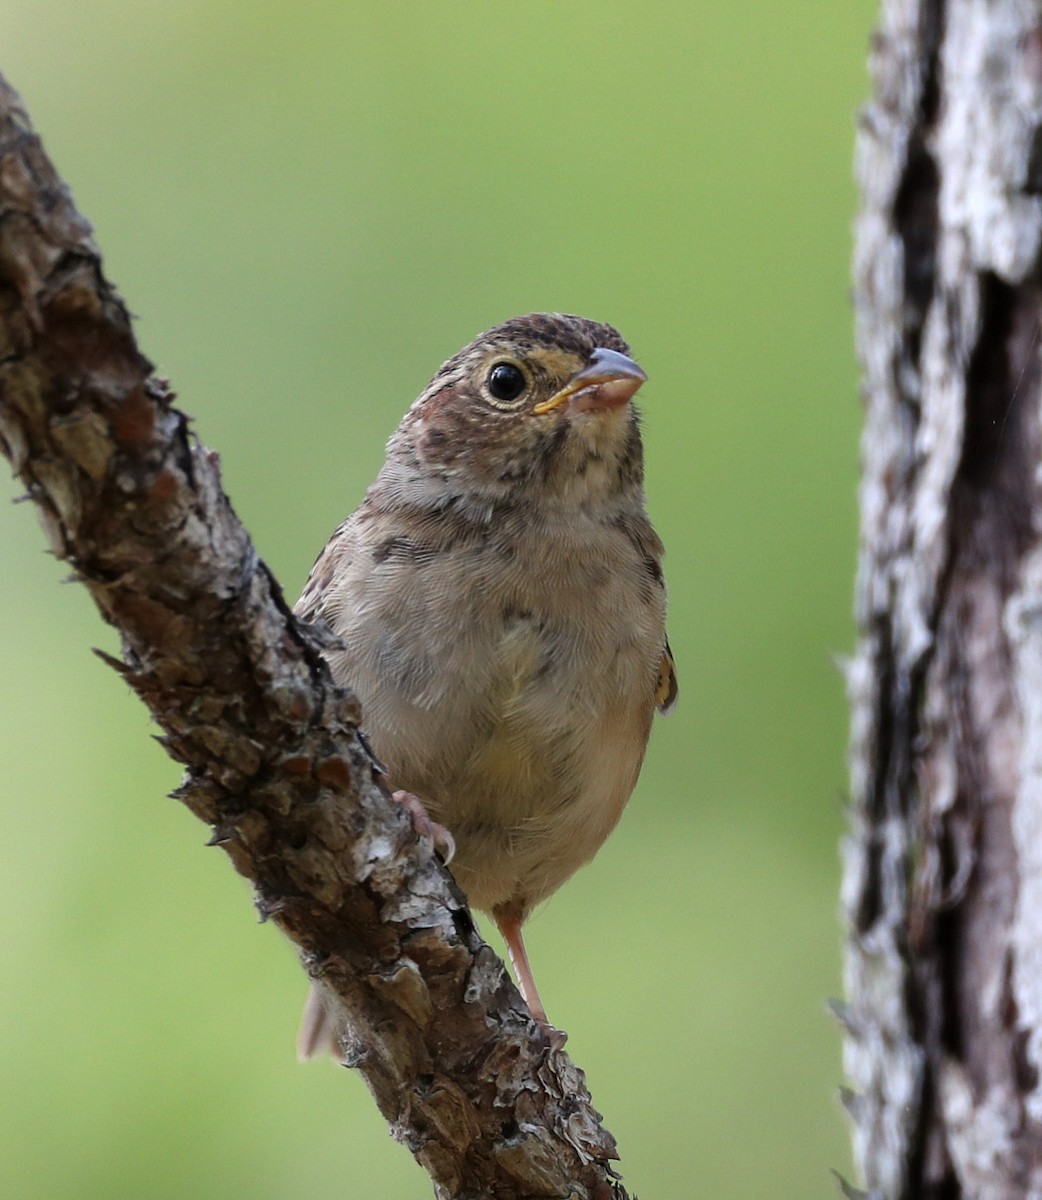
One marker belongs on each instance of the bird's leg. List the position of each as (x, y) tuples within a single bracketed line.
[(509, 922), (431, 834)]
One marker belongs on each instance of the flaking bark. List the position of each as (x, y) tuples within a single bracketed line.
[(943, 865), (274, 763)]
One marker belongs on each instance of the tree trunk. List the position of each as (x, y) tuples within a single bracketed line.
[(942, 892)]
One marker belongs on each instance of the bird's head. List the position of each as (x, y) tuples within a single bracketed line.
[(537, 407)]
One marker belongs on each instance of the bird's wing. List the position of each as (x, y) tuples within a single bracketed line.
[(666, 691), (319, 587)]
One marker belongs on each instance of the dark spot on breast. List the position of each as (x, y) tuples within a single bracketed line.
[(511, 472), (410, 673), (403, 549), (551, 656), (583, 465), (547, 662)]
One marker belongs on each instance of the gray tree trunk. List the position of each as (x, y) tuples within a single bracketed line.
[(942, 893)]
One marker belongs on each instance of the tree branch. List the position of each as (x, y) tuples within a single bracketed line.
[(274, 763)]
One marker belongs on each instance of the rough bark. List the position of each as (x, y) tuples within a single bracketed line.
[(942, 891), (274, 763)]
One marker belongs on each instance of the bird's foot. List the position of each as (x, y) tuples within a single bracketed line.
[(556, 1037), (432, 835)]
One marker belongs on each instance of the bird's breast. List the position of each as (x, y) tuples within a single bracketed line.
[(510, 683)]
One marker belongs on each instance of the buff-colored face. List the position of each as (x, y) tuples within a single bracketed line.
[(538, 397)]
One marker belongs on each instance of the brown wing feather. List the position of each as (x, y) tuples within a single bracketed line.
[(319, 585), (667, 690)]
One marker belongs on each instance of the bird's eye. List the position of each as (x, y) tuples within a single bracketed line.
[(506, 381)]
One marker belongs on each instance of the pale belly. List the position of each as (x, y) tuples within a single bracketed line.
[(514, 700), (529, 761)]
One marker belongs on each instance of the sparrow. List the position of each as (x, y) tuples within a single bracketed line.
[(499, 609)]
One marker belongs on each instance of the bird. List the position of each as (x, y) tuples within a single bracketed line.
[(498, 606)]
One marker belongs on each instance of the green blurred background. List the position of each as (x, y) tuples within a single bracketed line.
[(309, 207)]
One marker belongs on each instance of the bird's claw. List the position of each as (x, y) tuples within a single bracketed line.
[(556, 1037), (434, 837)]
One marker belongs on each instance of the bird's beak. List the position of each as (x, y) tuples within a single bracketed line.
[(608, 380)]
